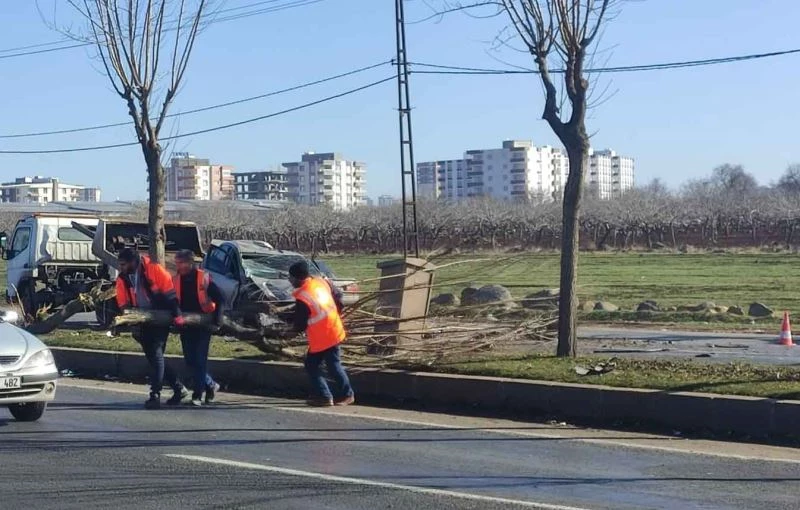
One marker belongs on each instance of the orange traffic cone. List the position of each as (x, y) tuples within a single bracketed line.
[(786, 331)]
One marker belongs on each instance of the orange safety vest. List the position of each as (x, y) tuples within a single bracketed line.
[(203, 281), (325, 328), (155, 276)]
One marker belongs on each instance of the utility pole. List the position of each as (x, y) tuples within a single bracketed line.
[(409, 182)]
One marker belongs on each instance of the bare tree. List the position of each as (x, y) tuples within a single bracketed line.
[(146, 65), (561, 33)]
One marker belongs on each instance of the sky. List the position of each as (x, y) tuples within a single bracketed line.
[(677, 124)]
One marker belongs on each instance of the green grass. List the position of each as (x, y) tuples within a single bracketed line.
[(669, 375), (626, 279)]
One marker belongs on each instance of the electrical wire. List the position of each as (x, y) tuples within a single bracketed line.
[(208, 130), (447, 69), (291, 4), (452, 10), (205, 108)]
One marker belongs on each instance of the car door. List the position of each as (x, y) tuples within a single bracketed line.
[(217, 264), (19, 256)]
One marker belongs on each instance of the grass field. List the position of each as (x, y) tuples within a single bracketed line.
[(624, 279)]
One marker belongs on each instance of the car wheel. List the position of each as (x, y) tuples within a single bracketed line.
[(28, 412)]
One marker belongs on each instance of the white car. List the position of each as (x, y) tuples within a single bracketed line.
[(28, 372)]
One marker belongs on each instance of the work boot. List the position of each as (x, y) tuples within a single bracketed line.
[(346, 401), (154, 402), (211, 392), (197, 400), (320, 402), (178, 397)]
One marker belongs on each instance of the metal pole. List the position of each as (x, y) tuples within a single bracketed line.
[(407, 170)]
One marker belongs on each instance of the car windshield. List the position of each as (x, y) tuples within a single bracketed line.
[(274, 267), (325, 268)]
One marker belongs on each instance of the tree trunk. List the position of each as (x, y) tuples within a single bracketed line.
[(570, 244), (157, 184)]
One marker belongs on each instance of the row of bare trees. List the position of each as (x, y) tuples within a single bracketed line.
[(728, 209)]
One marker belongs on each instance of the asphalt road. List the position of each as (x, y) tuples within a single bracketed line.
[(96, 448)]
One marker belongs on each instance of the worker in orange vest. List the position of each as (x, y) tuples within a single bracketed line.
[(197, 294), (317, 312), (147, 285)]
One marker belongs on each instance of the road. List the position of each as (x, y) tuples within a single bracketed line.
[(96, 448)]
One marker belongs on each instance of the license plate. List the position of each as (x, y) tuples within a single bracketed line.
[(10, 383)]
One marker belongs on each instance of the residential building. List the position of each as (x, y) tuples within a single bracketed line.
[(327, 179), (387, 201), (520, 171), (262, 185), (192, 178), (608, 174), (44, 190)]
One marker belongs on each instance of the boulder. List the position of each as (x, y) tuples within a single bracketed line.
[(586, 306), (489, 294), (446, 300), (720, 309), (468, 295), (760, 310), (736, 310), (544, 299), (603, 306), (702, 307), (647, 306)]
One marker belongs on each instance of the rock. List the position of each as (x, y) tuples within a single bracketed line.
[(586, 306), (543, 300), (760, 310), (489, 294), (468, 295), (659, 246), (671, 309), (647, 306), (702, 307), (603, 306), (736, 310), (446, 300), (720, 309)]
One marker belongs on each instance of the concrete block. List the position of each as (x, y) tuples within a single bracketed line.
[(397, 385), (741, 415), (685, 411), (786, 418), (445, 389), (629, 405)]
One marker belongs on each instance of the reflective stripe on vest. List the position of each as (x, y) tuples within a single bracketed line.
[(203, 282), (325, 328)]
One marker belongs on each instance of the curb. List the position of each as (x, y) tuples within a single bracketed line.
[(719, 414)]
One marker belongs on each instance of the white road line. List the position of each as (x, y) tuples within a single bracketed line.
[(509, 432), (372, 483)]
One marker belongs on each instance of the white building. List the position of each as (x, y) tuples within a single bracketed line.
[(520, 171), (608, 175), (192, 178), (327, 179), (387, 201), (44, 190)]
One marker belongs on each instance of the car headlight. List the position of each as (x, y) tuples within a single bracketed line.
[(41, 359)]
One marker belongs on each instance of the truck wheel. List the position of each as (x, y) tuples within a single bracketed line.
[(31, 411)]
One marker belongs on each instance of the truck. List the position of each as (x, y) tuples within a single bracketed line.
[(53, 258)]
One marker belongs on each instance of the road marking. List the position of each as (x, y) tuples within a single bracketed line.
[(371, 483), (687, 449)]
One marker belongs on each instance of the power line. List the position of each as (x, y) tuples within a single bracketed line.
[(451, 10), (208, 130), (291, 4), (205, 108), (447, 69)]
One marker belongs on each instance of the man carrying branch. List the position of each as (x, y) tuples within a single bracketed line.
[(317, 312), (146, 285)]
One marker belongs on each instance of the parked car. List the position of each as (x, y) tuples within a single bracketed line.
[(237, 266), (28, 372)]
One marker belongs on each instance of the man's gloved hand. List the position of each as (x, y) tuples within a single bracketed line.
[(179, 321)]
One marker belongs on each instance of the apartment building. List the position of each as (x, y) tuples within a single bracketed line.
[(270, 185), (517, 170), (193, 178), (520, 171), (44, 190), (608, 174), (387, 201), (327, 179)]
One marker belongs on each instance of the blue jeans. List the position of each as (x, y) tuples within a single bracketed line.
[(333, 362), (154, 343), (195, 344)]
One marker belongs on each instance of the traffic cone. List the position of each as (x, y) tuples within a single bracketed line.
[(786, 331)]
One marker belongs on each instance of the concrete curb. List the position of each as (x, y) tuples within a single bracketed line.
[(718, 414)]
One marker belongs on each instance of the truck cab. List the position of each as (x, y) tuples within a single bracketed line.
[(48, 260)]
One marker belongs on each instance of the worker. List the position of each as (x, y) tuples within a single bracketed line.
[(147, 285), (318, 312), (197, 294)]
